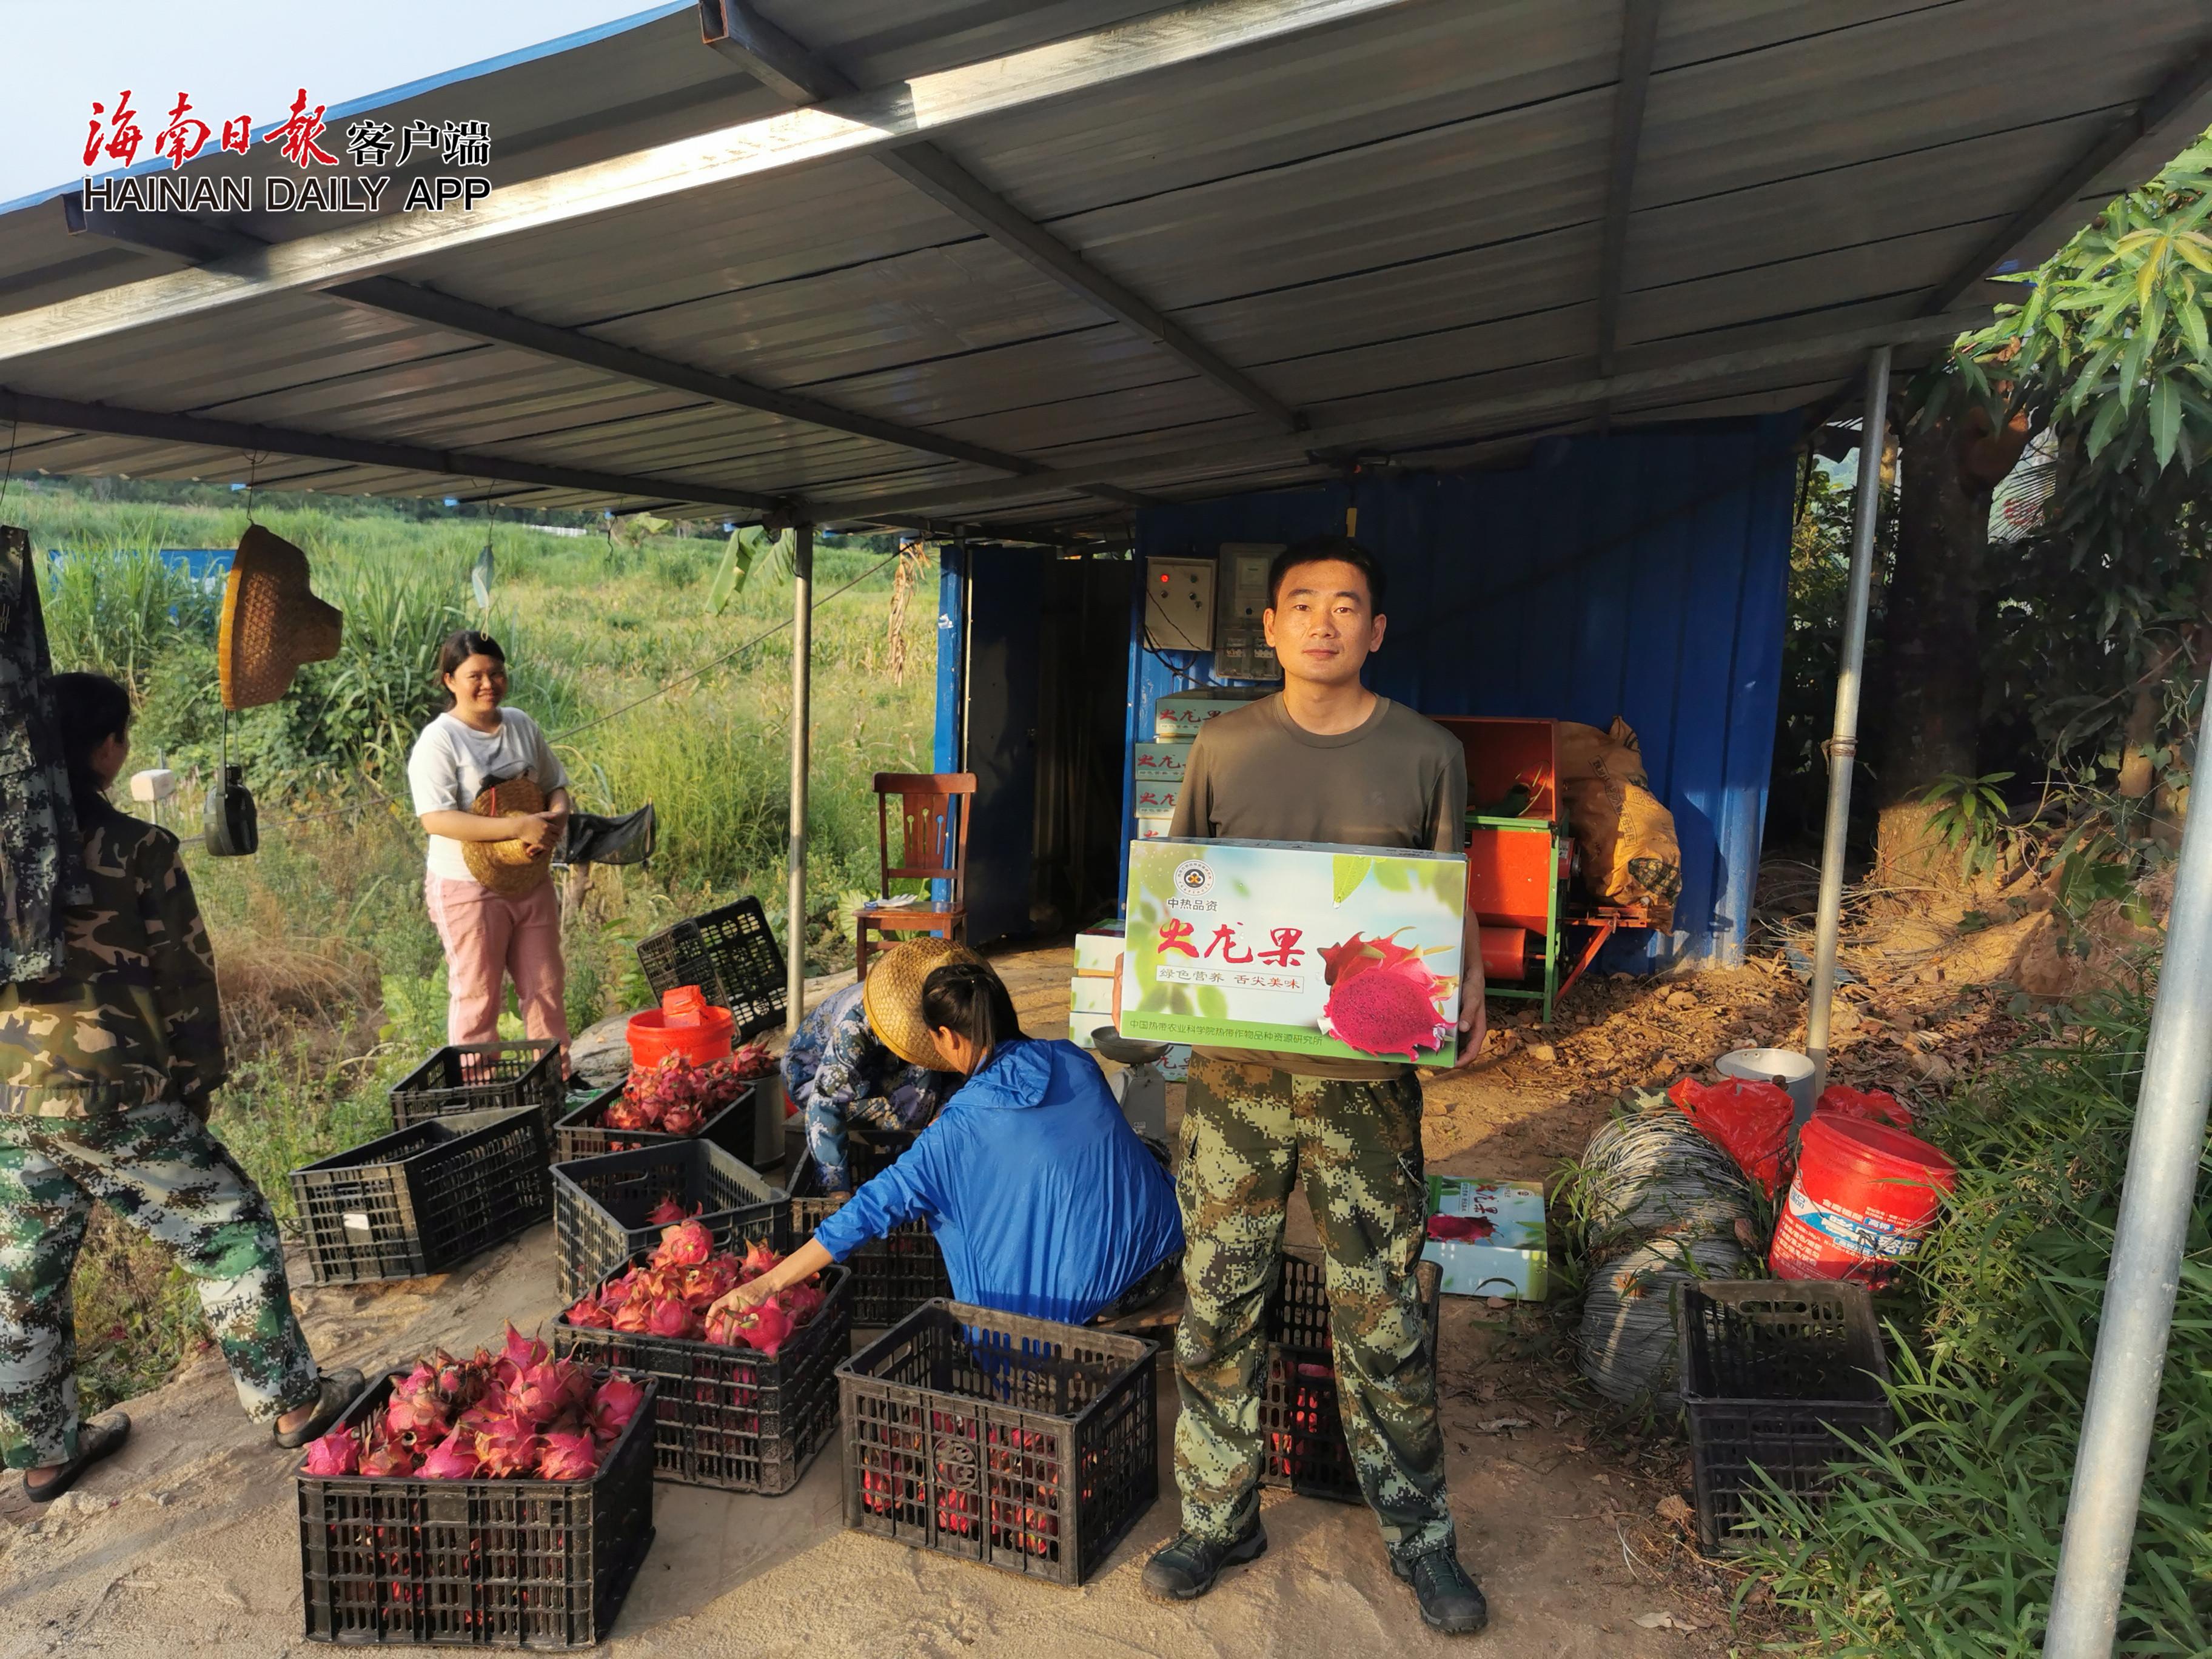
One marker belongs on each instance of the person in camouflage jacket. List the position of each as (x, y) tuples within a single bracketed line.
[(107, 1074)]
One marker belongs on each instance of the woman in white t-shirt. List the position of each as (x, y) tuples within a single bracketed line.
[(488, 937)]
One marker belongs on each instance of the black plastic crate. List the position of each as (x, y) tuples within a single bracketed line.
[(1025, 1444), (733, 1418), (583, 1132), (480, 1564), (1784, 1375), (1299, 1412), (425, 1198), (898, 1272), (600, 1205), (481, 1077), (730, 955)]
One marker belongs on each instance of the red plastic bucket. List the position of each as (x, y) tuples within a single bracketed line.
[(685, 1023), (1865, 1196)]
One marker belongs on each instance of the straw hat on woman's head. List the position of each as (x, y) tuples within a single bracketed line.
[(893, 998), (507, 867)]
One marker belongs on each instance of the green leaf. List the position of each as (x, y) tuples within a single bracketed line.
[(729, 575), (2164, 419), (1349, 869), (2190, 315), (2107, 422)]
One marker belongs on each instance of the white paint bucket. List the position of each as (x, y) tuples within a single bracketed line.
[(1784, 1067)]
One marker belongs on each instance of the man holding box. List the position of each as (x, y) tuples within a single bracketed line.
[(1325, 761)]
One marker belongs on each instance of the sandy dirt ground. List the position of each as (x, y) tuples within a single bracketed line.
[(187, 1543)]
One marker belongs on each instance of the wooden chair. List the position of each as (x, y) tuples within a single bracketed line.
[(932, 846)]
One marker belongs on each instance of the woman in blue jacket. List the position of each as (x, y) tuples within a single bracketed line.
[(1043, 1199)]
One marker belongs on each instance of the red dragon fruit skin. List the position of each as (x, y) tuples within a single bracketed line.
[(454, 1458), (613, 1406), (507, 1446), (568, 1457), (336, 1453), (684, 1245), (521, 1353), (590, 1313)]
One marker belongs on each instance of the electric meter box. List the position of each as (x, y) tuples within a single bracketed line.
[(1240, 651), (1179, 604)]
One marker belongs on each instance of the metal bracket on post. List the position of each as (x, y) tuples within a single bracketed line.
[(802, 651), (1842, 749)]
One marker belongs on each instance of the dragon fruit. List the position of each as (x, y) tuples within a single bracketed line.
[(612, 1407), (668, 1213), (766, 1327), (685, 1245), (570, 1457), (385, 1459), (519, 1354), (336, 1453), (417, 1420), (507, 1445), (633, 1318), (454, 1458), (590, 1313), (759, 1258), (1382, 999), (672, 1319), (544, 1391)]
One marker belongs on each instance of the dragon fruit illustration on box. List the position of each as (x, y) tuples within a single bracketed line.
[(1344, 951)]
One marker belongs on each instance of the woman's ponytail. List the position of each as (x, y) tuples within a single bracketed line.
[(968, 998)]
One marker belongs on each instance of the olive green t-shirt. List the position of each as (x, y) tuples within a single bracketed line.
[(1396, 780)]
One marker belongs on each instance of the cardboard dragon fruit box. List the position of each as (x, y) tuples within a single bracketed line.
[(1352, 952)]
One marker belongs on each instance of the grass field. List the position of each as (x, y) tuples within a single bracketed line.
[(333, 982)]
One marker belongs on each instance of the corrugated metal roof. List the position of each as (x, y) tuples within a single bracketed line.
[(1372, 216)]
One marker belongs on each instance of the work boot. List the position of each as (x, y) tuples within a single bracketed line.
[(1186, 1568), (1450, 1601)]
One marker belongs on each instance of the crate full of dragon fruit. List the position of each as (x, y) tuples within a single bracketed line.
[(746, 1399), (718, 1101), (499, 1501), (608, 1208), (1348, 952), (1025, 1444)]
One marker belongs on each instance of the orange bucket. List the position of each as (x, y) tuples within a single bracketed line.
[(685, 1023)]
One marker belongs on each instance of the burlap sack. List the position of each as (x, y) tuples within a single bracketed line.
[(1626, 837)]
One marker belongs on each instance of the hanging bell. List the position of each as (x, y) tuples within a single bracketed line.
[(233, 826)]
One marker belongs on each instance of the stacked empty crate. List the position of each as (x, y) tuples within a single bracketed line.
[(1029, 1445), (893, 1275), (476, 1563), (1780, 1378), (730, 955), (1300, 1413), (464, 1169)]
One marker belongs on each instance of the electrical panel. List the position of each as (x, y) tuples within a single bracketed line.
[(1179, 604), (1240, 651)]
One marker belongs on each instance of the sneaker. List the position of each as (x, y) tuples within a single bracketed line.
[(1186, 1568), (1450, 1601)]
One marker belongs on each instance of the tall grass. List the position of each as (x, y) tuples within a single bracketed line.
[(1946, 1544)]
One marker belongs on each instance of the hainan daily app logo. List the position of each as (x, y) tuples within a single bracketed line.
[(441, 161)]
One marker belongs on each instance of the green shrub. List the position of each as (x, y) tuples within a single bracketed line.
[(1946, 1544)]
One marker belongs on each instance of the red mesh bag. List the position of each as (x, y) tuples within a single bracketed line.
[(1875, 1105), (1749, 1121)]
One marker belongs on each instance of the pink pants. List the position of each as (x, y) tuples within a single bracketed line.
[(487, 938)]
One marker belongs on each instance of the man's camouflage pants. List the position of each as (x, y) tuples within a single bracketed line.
[(1248, 1133), (159, 1168)]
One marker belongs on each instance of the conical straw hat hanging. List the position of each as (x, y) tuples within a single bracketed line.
[(271, 623)]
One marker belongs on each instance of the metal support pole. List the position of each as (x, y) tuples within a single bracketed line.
[(1844, 747), (2156, 1203), (802, 651)]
